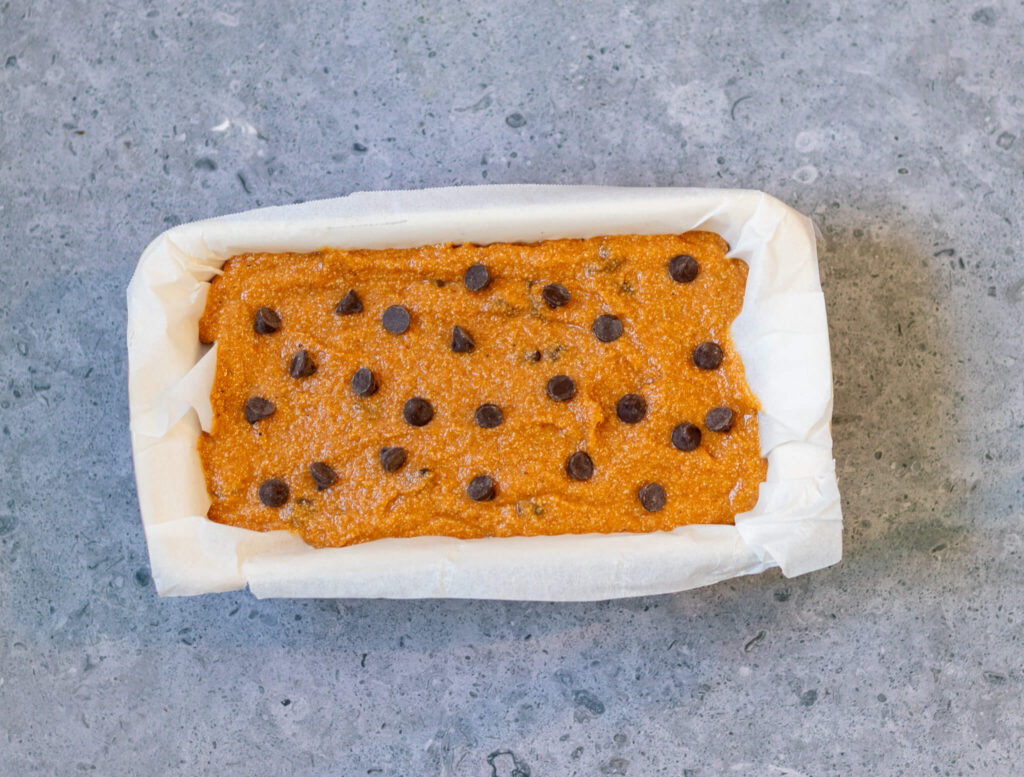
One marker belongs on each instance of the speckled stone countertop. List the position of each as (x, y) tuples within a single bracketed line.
[(901, 132)]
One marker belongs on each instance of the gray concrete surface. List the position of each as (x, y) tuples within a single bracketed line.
[(898, 126)]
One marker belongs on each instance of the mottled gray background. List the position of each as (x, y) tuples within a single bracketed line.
[(900, 131)]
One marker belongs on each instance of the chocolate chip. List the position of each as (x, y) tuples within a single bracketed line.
[(302, 365), (683, 268), (631, 408), (273, 492), (323, 475), (258, 408), (462, 341), (349, 304), (396, 319), (477, 277), (267, 321), (555, 295), (561, 388), (364, 384), (417, 412), (652, 497), (686, 436), (534, 356), (708, 355), (607, 328), (392, 459), (488, 416), (718, 419), (579, 466), (481, 489)]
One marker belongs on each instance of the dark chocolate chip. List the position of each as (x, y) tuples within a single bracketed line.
[(323, 475), (652, 497), (718, 419), (683, 268), (561, 388), (349, 304), (686, 436), (555, 295), (302, 365), (535, 356), (607, 328), (708, 355), (364, 384), (267, 321), (631, 408), (417, 412), (477, 277), (396, 319), (258, 408), (481, 489), (488, 416), (462, 341), (392, 459), (273, 492), (579, 466)]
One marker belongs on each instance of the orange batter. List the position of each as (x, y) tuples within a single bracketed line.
[(512, 343)]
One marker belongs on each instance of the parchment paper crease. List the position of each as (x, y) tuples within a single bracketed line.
[(781, 335)]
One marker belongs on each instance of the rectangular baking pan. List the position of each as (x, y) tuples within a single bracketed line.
[(781, 335)]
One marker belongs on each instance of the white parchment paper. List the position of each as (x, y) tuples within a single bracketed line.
[(781, 334)]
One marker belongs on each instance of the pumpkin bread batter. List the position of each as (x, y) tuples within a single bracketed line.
[(567, 386)]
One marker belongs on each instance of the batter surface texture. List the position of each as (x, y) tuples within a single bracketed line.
[(567, 386)]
